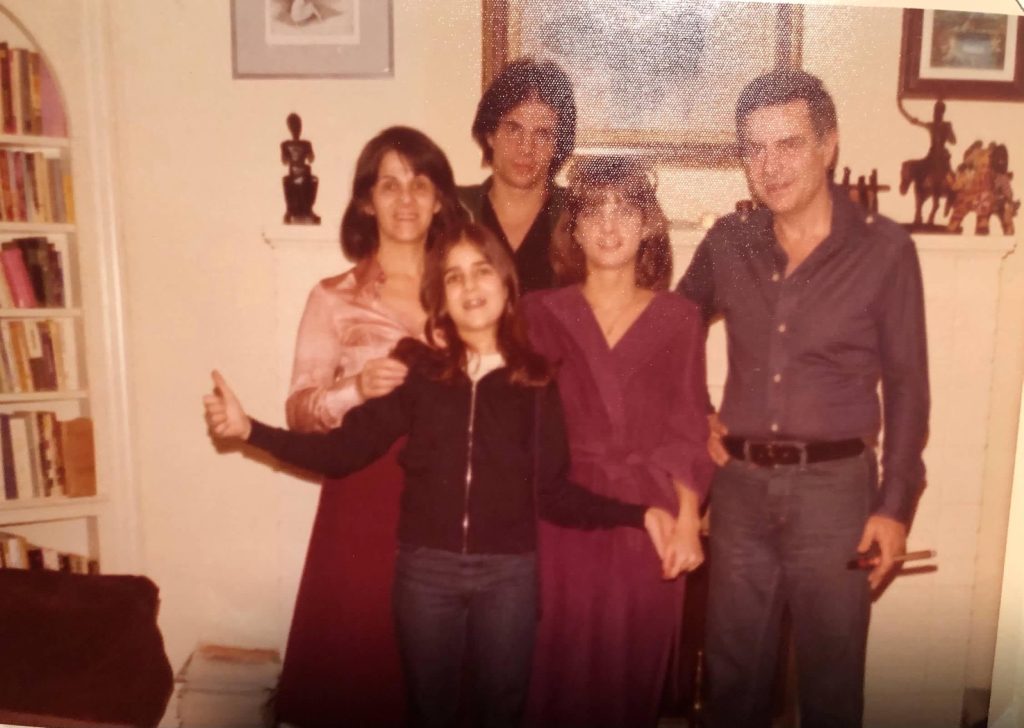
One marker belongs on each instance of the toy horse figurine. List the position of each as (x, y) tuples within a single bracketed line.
[(982, 186), (932, 176)]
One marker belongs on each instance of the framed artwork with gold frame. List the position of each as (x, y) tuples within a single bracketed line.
[(659, 79)]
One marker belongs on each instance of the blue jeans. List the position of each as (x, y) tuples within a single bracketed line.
[(779, 539), (447, 603)]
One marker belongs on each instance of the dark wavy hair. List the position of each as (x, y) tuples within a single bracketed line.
[(526, 366), (520, 80), (359, 237), (589, 179), (782, 86)]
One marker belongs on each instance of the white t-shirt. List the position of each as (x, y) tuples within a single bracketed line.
[(481, 365)]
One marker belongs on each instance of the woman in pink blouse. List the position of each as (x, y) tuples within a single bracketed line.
[(341, 666)]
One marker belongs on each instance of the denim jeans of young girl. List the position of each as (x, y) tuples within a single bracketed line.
[(472, 614)]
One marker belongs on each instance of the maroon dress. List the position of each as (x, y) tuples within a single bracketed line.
[(636, 420), (341, 666)]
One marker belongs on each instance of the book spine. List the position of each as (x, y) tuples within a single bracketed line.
[(24, 67), (6, 185), (20, 453), (10, 360), (35, 91), (56, 190), (68, 189), (7, 100), (15, 57), (34, 487), (7, 455), (48, 452), (17, 276), (33, 252), (6, 383), (64, 354), (6, 298), (49, 367), (18, 162), (55, 267), (36, 357), (20, 354), (32, 189), (53, 433)]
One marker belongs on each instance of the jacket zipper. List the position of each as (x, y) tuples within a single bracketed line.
[(469, 469)]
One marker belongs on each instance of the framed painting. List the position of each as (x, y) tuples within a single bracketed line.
[(657, 79), (962, 55), (311, 38)]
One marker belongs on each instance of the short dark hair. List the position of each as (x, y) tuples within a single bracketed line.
[(589, 179), (525, 365), (520, 80), (782, 86), (359, 238)]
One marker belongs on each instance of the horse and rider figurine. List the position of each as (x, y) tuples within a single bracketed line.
[(931, 176)]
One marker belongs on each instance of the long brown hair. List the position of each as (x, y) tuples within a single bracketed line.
[(589, 179), (526, 366), (359, 237)]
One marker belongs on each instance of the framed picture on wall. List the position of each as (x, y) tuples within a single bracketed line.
[(962, 55), (650, 78), (311, 38)]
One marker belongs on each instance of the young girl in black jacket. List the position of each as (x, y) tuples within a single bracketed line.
[(486, 456)]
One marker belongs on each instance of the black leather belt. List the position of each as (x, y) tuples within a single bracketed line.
[(769, 453)]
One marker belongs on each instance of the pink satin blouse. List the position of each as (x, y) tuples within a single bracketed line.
[(344, 325)]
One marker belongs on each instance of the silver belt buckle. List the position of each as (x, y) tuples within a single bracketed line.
[(772, 447)]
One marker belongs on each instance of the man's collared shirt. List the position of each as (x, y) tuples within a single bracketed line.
[(807, 351), (532, 257)]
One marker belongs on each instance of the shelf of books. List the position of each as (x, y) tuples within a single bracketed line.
[(49, 506)]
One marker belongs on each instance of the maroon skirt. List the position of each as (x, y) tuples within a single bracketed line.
[(341, 667)]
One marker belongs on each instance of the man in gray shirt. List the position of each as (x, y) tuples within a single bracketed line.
[(821, 302)]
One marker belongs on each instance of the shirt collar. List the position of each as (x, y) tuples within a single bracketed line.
[(369, 277), (847, 219)]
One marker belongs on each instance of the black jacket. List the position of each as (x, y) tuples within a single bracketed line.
[(513, 436)]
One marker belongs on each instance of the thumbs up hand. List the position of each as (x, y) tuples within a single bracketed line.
[(224, 414)]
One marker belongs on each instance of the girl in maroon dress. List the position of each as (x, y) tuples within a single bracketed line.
[(341, 667), (630, 358)]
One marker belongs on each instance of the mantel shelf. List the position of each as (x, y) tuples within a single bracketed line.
[(283, 237), (684, 234)]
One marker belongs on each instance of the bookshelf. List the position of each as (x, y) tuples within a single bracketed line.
[(50, 511)]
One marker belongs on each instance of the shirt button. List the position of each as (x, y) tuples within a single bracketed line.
[(782, 328), (775, 277), (775, 427), (777, 378)]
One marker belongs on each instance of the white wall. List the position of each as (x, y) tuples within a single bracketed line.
[(198, 179)]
